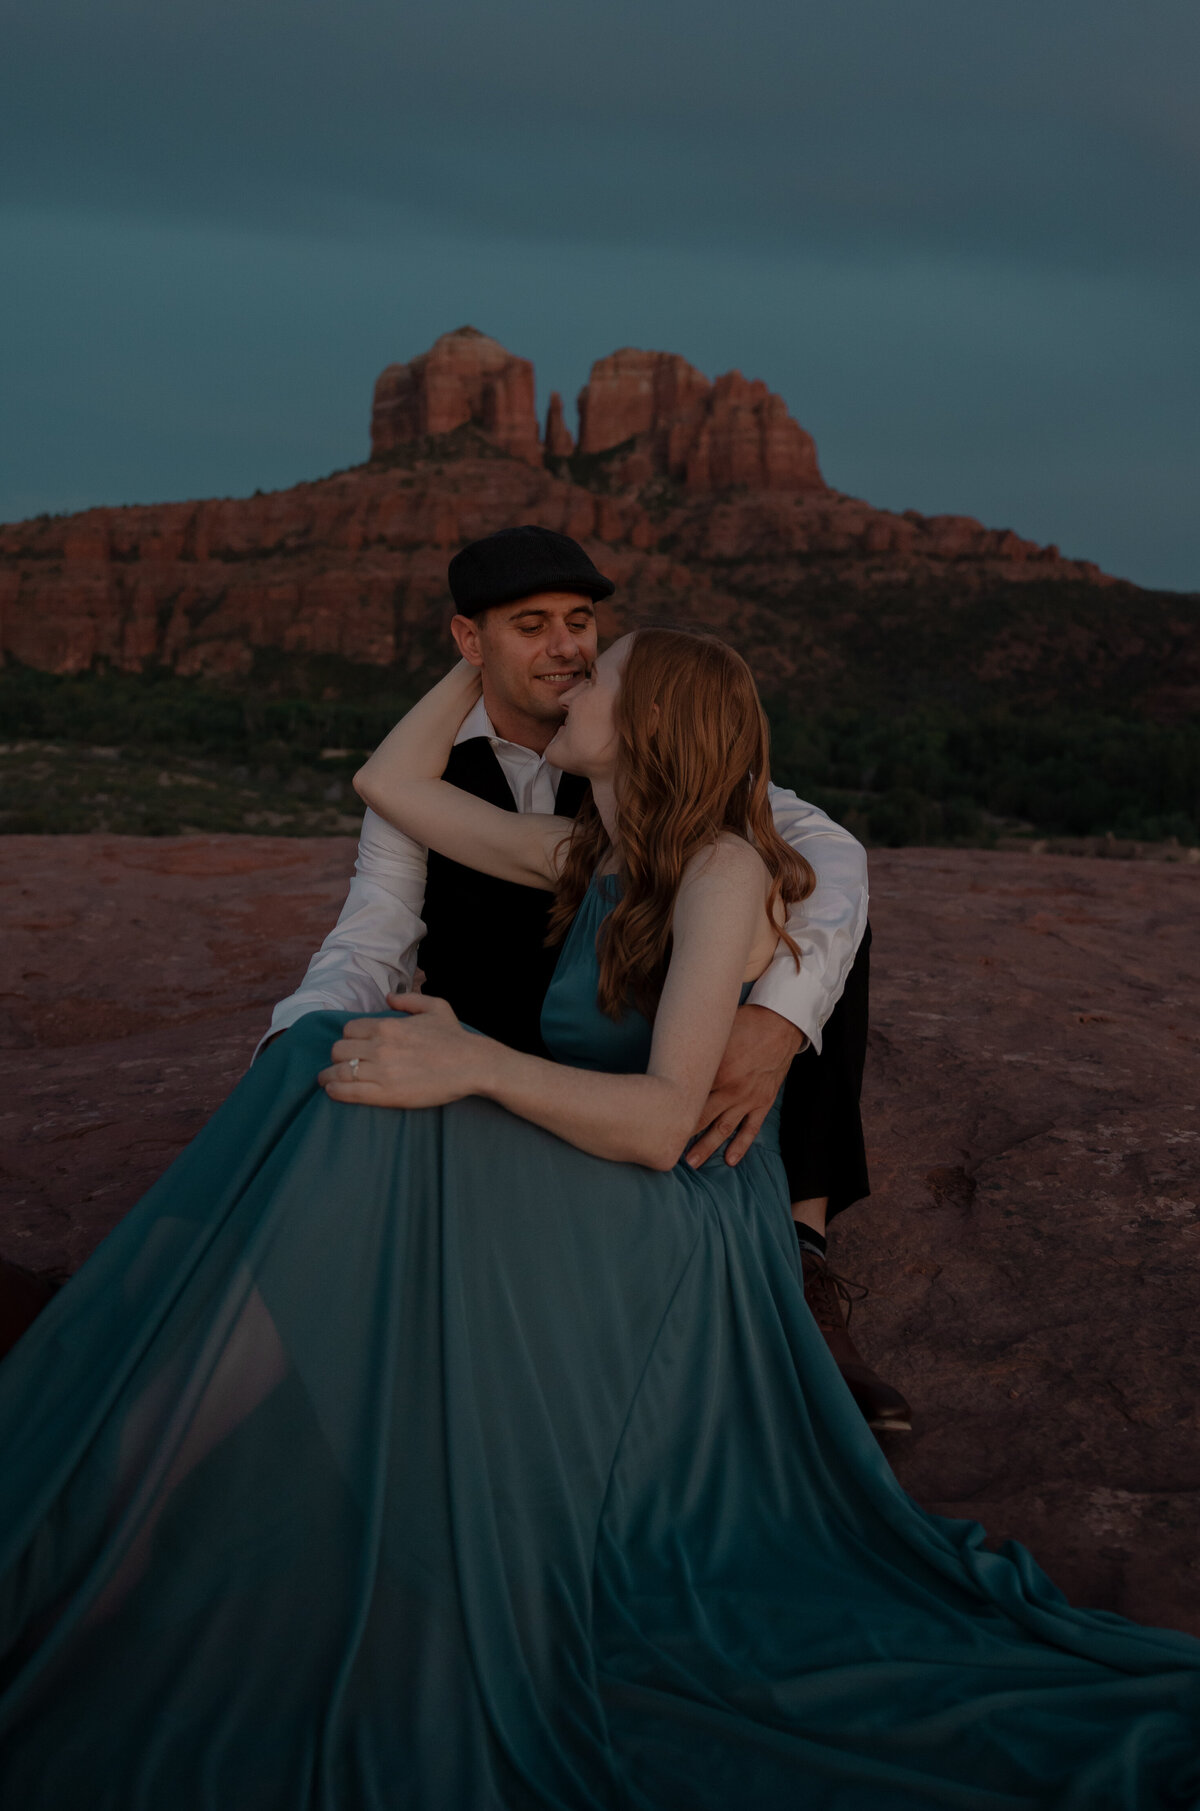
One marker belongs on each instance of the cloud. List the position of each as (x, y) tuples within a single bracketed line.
[(959, 239), (1051, 132)]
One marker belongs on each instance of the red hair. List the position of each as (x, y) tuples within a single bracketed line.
[(693, 763)]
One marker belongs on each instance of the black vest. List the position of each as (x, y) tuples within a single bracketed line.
[(484, 950)]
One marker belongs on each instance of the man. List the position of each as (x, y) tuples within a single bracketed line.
[(526, 618)]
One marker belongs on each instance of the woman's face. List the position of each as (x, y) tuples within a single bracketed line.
[(587, 742)]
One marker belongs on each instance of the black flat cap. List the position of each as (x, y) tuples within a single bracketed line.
[(515, 563)]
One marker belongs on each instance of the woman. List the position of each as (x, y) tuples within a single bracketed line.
[(693, 884), (483, 1455)]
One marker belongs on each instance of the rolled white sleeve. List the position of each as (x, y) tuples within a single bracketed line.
[(826, 928), (372, 949)]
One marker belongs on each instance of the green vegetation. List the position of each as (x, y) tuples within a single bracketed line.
[(53, 788), (160, 711), (155, 755), (942, 775)]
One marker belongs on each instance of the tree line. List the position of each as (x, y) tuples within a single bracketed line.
[(936, 773)]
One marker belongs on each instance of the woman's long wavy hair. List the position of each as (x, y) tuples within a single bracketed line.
[(693, 761)]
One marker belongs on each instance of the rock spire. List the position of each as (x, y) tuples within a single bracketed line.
[(464, 377), (731, 434)]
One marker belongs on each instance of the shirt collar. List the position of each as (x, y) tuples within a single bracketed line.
[(477, 723)]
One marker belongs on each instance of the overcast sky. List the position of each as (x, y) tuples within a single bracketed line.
[(962, 238)]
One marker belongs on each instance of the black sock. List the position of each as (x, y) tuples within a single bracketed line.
[(810, 1239)]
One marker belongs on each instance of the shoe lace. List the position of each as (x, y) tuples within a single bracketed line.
[(827, 1292)]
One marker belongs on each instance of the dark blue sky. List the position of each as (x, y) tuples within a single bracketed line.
[(963, 240)]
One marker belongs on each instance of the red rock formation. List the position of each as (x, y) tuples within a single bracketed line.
[(560, 442), (355, 565), (749, 439), (632, 393), (464, 377), (708, 437)]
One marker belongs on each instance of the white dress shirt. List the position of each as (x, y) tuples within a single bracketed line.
[(372, 949)]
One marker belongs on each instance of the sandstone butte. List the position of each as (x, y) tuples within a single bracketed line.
[(691, 494)]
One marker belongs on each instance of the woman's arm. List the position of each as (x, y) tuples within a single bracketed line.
[(402, 783), (429, 1059)]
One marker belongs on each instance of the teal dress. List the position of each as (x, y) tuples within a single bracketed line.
[(417, 1461)]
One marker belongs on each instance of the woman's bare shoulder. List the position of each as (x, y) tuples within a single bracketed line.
[(729, 862)]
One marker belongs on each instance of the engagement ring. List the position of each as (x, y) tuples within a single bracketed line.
[(354, 1062)]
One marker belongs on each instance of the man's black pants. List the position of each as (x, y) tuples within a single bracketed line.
[(820, 1134)]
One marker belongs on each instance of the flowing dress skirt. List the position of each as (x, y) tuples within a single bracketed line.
[(388, 1460)]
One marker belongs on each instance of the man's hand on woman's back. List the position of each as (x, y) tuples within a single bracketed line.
[(756, 1060)]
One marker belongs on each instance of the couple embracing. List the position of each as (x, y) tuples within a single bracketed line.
[(526, 624), (448, 1428)]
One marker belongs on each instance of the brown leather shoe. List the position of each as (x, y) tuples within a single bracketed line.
[(831, 1299), (22, 1298)]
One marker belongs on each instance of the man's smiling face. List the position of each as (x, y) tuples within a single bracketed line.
[(530, 653)]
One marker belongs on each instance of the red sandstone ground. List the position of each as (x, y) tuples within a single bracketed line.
[(1032, 1243)]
